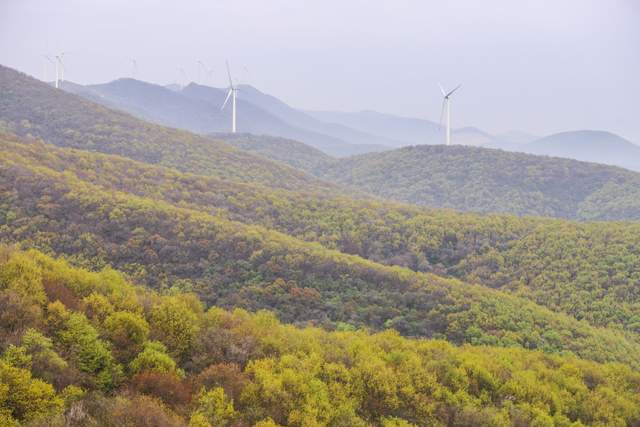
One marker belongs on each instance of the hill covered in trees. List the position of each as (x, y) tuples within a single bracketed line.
[(489, 180), (31, 108), (283, 150), (224, 229), (89, 348), (189, 241), (481, 180), (587, 270)]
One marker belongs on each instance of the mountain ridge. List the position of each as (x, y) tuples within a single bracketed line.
[(490, 180)]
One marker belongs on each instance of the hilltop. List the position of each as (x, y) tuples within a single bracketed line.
[(590, 146), (489, 180)]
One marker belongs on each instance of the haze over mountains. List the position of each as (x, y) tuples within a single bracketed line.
[(426, 316), (587, 145), (458, 177), (197, 108), (339, 134)]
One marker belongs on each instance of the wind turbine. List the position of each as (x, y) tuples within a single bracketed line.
[(446, 103), (231, 93), (60, 66)]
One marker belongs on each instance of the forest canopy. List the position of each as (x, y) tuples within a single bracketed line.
[(86, 348)]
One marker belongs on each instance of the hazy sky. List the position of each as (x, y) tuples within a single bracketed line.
[(537, 66)]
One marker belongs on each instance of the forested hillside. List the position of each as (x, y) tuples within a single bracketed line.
[(239, 231), (283, 150), (488, 180), (81, 348), (480, 180), (232, 264), (30, 107), (586, 270)]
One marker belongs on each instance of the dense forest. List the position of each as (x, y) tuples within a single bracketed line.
[(587, 270), (487, 180), (283, 150), (231, 264), (249, 292), (84, 348)]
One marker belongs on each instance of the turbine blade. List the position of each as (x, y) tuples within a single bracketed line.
[(456, 88), (229, 74), (442, 90), (226, 99), (442, 113)]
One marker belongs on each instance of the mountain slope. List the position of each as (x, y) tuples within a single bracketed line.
[(99, 349), (403, 131), (589, 146), (30, 107), (488, 180), (256, 120), (283, 150), (586, 270), (303, 120), (407, 131), (197, 109), (235, 265), (495, 251)]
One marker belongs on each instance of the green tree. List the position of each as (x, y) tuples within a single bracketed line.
[(128, 332), (153, 358), (25, 398), (213, 407), (175, 324)]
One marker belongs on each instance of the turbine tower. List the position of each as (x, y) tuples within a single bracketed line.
[(231, 93), (446, 104), (59, 69)]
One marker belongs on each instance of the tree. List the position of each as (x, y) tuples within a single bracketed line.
[(175, 324), (88, 351), (128, 332), (97, 306), (153, 358), (25, 398), (45, 362), (213, 407)]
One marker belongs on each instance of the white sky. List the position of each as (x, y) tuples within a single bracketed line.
[(538, 66)]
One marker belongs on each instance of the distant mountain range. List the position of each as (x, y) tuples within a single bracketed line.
[(488, 180), (586, 145), (340, 134), (197, 108), (403, 131)]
